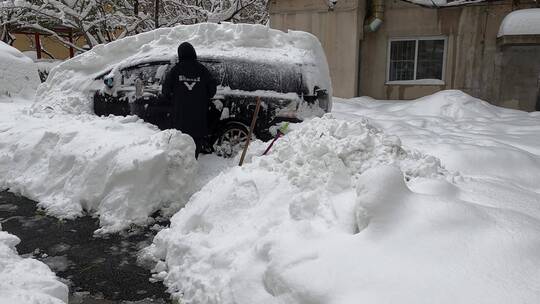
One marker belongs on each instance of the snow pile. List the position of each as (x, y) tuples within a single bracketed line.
[(26, 281), (119, 168), (339, 212), (468, 135), (521, 22), (251, 234), (70, 85), (18, 73)]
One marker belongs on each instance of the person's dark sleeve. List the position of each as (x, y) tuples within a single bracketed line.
[(168, 86), (211, 88)]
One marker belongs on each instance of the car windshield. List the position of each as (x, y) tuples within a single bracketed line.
[(150, 73)]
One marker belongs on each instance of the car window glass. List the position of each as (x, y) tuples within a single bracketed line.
[(217, 70), (252, 76), (148, 73)]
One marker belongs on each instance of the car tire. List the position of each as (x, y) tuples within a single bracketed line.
[(231, 139)]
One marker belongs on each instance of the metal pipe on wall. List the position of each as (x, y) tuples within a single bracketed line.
[(375, 20)]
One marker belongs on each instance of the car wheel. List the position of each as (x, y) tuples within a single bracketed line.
[(231, 139)]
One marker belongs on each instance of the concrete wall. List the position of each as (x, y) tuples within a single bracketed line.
[(474, 62), (520, 76), (339, 31)]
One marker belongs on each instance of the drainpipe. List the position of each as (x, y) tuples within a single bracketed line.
[(374, 22)]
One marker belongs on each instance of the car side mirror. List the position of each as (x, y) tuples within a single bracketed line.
[(320, 92), (109, 82)]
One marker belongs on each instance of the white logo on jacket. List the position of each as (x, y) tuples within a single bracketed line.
[(189, 82)]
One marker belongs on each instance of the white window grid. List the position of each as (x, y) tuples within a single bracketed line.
[(416, 39)]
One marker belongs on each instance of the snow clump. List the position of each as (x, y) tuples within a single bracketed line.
[(26, 281), (18, 74)]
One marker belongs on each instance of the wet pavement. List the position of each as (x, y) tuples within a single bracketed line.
[(98, 270)]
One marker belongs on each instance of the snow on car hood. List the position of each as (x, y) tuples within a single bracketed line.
[(69, 85)]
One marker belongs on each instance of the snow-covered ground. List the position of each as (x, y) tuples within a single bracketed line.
[(342, 211)]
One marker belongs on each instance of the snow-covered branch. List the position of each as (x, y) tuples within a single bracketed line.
[(101, 21)]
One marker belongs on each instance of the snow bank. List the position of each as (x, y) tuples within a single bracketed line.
[(18, 73), (26, 281), (339, 212), (69, 86), (468, 135), (248, 234), (119, 168), (521, 22)]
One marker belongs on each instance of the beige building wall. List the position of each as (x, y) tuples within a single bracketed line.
[(473, 59), (339, 31)]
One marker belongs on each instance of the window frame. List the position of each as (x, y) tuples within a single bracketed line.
[(416, 81)]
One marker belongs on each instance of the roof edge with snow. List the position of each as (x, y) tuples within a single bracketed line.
[(524, 22)]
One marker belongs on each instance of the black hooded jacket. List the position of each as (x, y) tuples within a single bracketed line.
[(189, 88)]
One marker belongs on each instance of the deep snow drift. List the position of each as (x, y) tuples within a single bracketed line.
[(69, 86), (18, 74), (26, 281), (339, 212), (119, 168)]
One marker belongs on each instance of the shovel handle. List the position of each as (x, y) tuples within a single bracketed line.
[(251, 128)]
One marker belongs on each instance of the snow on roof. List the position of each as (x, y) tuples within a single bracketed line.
[(69, 84), (18, 73), (521, 22)]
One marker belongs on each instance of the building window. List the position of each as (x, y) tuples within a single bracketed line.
[(417, 61)]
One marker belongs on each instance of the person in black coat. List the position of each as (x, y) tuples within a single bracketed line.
[(189, 87)]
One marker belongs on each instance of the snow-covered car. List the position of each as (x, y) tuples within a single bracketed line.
[(288, 70), (284, 95)]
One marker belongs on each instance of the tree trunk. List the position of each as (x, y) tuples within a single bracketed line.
[(156, 13)]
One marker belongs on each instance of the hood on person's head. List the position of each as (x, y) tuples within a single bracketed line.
[(186, 51)]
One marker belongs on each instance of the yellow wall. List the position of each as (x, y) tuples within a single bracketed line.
[(24, 42)]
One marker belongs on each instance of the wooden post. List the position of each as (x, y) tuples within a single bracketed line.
[(71, 50), (251, 128), (38, 45), (156, 13)]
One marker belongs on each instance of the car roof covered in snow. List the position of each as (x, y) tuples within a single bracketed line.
[(521, 22)]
